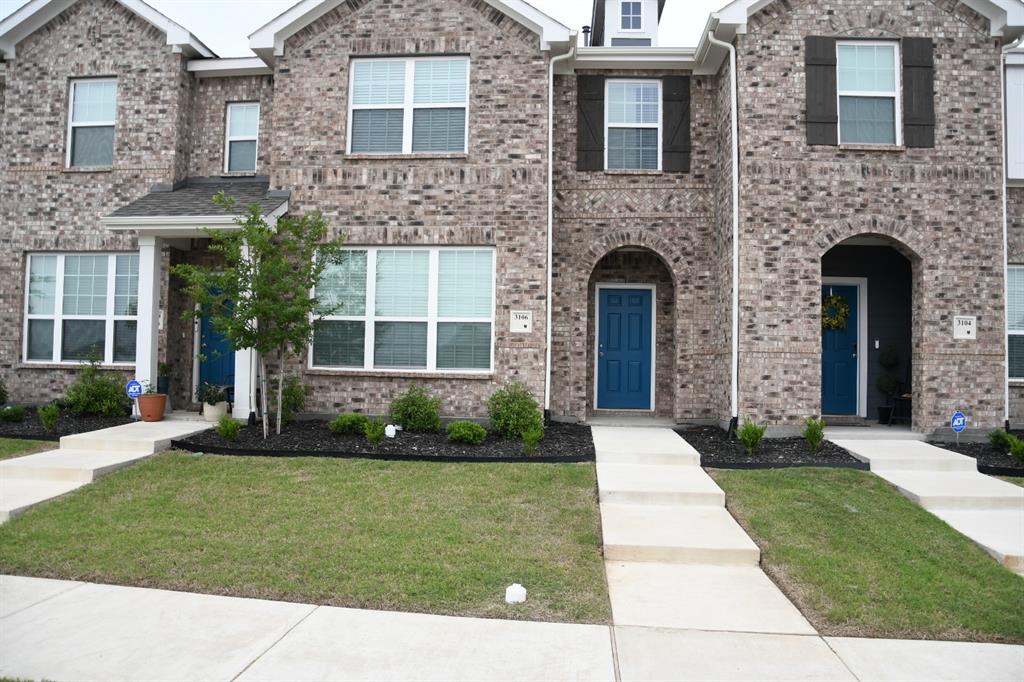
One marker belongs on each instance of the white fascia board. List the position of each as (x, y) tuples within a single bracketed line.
[(169, 226), (233, 66), (35, 14), (682, 58)]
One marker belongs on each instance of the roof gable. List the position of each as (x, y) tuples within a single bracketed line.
[(35, 14)]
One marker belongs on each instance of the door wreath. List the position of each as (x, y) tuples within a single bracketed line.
[(834, 313)]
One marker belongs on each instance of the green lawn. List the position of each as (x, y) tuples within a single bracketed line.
[(15, 447), (859, 559), (416, 536)]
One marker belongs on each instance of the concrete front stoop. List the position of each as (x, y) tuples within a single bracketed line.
[(987, 510), (82, 458)]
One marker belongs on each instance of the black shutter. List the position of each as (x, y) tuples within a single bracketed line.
[(918, 92), (590, 122), (675, 144), (820, 67)]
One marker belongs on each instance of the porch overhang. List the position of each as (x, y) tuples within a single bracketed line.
[(181, 227)]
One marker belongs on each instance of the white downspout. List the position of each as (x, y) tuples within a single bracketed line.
[(1006, 250), (734, 400), (551, 211)]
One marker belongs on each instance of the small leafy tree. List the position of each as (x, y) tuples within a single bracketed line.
[(261, 297)]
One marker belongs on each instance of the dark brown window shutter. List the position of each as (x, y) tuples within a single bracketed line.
[(590, 122), (675, 143), (918, 92), (822, 113)]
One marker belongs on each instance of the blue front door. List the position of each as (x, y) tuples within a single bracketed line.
[(839, 357), (624, 349), (217, 359)]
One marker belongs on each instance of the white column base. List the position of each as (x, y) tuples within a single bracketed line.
[(245, 375)]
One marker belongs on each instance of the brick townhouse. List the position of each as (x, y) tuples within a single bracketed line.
[(621, 226)]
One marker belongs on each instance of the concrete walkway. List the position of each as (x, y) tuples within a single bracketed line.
[(82, 458), (63, 630), (987, 510)]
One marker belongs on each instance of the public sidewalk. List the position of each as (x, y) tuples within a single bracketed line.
[(63, 630)]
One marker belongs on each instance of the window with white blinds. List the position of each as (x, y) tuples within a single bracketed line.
[(418, 309), (1015, 320), (241, 134), (405, 106), (633, 123), (81, 307), (93, 110)]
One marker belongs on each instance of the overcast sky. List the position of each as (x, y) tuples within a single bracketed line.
[(224, 24)]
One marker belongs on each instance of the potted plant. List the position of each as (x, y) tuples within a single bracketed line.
[(163, 378), (888, 384), (151, 403), (214, 400)]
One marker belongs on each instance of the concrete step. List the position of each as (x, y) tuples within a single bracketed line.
[(873, 433), (906, 455), (19, 494), (82, 466), (1000, 533), (694, 597), (657, 484), (136, 438), (956, 490), (675, 534), (639, 445)]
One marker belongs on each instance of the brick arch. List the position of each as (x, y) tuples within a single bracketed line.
[(640, 237), (905, 238)]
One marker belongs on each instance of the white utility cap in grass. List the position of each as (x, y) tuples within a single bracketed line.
[(515, 594), (390, 430)]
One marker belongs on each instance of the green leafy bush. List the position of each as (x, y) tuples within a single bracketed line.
[(12, 413), (49, 415), (374, 431), (1016, 447), (814, 432), (3, 392), (514, 412), (96, 393), (415, 410), (531, 437), (999, 439), (351, 423), (293, 398), (750, 434), (229, 428), (466, 432), (210, 394)]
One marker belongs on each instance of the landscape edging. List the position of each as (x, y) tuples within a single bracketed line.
[(859, 466)]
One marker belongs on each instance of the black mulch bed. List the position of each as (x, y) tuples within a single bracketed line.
[(561, 443), (990, 460), (718, 451), (68, 424)]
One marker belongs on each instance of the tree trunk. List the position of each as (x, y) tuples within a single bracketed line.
[(280, 386), (263, 396)]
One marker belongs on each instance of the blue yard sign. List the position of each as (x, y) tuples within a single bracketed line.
[(958, 422), (133, 388)]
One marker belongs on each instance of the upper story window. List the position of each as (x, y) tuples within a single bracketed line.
[(81, 306), (1015, 320), (633, 124), (242, 129), (91, 122), (632, 16), (407, 106), (868, 88)]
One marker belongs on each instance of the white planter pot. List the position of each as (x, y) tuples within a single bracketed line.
[(212, 413)]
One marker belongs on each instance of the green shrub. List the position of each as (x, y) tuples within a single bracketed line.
[(96, 393), (12, 413), (1016, 447), (228, 428), (531, 437), (415, 410), (466, 432), (514, 412), (374, 431), (352, 423), (3, 392), (750, 434), (210, 394), (293, 398), (999, 439), (49, 415), (888, 384), (814, 432)]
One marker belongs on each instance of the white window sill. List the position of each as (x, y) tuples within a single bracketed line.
[(88, 169), (425, 375), (626, 171), (406, 157), (239, 174), (1017, 382), (872, 148), (71, 365)]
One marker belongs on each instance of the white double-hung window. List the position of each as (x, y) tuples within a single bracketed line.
[(409, 106), (419, 309), (241, 132), (81, 307), (633, 125), (1015, 320), (868, 82), (93, 110)]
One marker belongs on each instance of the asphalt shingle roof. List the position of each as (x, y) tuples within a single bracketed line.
[(195, 197)]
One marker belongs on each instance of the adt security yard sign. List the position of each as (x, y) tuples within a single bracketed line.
[(133, 389), (958, 422)]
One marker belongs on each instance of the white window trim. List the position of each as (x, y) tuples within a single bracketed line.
[(655, 126), (58, 315), (1010, 331), (408, 106), (432, 318), (896, 95), (229, 138), (622, 14), (90, 124)]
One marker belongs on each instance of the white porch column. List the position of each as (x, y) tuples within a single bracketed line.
[(148, 330), (245, 375)]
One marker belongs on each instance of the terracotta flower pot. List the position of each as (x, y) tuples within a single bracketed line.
[(152, 406)]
